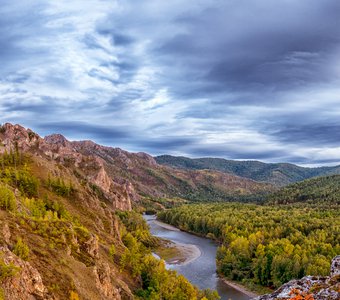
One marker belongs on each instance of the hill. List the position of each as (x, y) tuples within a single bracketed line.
[(279, 174), (320, 190), (67, 229), (136, 174)]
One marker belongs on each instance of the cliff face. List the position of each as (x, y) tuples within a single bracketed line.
[(310, 287)]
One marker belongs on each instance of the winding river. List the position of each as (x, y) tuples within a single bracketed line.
[(201, 271)]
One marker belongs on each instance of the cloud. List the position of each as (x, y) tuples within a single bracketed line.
[(85, 129), (233, 79)]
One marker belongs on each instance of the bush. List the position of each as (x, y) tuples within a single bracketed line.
[(7, 270), (74, 296), (112, 252), (7, 199), (21, 249), (22, 179), (59, 187)]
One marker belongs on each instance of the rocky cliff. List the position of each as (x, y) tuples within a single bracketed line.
[(61, 151), (310, 287)]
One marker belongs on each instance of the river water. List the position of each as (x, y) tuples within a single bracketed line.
[(201, 271)]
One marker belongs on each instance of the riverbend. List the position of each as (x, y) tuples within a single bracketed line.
[(199, 267)]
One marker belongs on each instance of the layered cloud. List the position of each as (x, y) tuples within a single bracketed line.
[(236, 79)]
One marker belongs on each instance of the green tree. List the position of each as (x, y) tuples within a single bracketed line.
[(21, 249), (7, 199)]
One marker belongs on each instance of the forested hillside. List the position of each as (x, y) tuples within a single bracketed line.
[(264, 245), (63, 235), (320, 190), (278, 174)]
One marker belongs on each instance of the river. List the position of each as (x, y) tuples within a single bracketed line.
[(202, 270)]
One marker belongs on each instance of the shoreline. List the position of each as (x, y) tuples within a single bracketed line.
[(165, 225), (189, 251), (241, 288), (196, 254), (175, 253)]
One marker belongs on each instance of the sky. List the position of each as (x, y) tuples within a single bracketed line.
[(249, 80)]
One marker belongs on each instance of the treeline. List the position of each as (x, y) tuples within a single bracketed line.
[(264, 245)]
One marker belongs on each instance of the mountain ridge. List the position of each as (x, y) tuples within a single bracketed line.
[(279, 174), (137, 174)]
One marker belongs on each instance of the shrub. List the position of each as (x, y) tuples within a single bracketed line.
[(7, 199), (21, 249), (112, 251), (74, 296), (59, 187), (7, 270)]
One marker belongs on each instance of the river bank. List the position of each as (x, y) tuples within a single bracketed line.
[(174, 253), (236, 285), (240, 288), (198, 267), (166, 226)]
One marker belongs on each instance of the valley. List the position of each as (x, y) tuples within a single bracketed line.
[(72, 226)]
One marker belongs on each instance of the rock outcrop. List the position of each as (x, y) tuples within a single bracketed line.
[(25, 283), (105, 284), (335, 266), (310, 287), (6, 233)]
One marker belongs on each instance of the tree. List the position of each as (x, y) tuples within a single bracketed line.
[(21, 249)]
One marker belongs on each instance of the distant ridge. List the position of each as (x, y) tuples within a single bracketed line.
[(279, 174), (319, 190)]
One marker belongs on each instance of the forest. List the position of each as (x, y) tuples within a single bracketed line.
[(264, 245), (323, 190)]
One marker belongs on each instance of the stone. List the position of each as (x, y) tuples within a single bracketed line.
[(6, 233), (92, 246), (27, 284), (335, 266), (104, 283)]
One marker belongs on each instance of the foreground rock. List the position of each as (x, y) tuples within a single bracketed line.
[(25, 281), (310, 287)]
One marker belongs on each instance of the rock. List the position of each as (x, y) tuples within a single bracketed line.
[(102, 180), (6, 233), (335, 266), (17, 136), (148, 158), (57, 139), (26, 284), (121, 198), (313, 287), (104, 283), (92, 246)]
